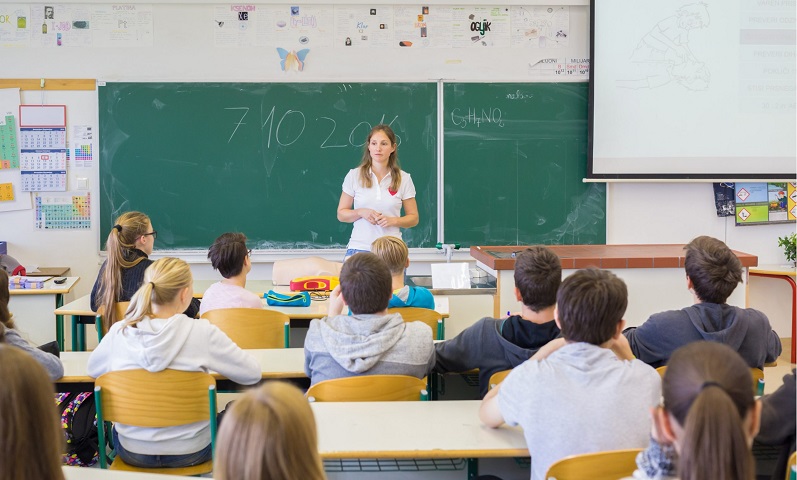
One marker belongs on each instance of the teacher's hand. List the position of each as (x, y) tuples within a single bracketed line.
[(369, 215), (385, 221)]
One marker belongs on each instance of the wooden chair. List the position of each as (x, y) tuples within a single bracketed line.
[(163, 399), (791, 467), (757, 374), (369, 388), (252, 327), (121, 310), (609, 465), (432, 318), (497, 378)]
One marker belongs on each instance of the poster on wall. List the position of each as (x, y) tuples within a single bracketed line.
[(11, 195)]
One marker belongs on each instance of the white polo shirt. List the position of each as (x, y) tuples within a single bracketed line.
[(378, 198)]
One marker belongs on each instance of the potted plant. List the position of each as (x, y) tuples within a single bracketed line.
[(789, 244)]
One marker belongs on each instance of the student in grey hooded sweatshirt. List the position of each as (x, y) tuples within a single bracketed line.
[(369, 341), (712, 273)]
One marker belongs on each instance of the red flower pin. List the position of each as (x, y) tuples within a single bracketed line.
[(392, 192)]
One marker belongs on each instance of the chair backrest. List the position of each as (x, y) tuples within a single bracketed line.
[(609, 465), (430, 317), (252, 327), (369, 388), (756, 373), (155, 399), (497, 378)]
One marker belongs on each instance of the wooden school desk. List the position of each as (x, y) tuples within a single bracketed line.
[(788, 274), (401, 430), (33, 310), (278, 363), (654, 274), (317, 309)]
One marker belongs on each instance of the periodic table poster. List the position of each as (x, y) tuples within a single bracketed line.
[(61, 211), (43, 147)]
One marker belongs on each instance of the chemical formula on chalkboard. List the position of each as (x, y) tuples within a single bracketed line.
[(476, 117)]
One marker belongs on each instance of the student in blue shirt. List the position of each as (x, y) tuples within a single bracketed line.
[(393, 251)]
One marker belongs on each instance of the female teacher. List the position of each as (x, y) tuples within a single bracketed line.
[(374, 193)]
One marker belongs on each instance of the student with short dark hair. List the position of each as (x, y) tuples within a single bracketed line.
[(493, 344), (394, 252), (583, 393), (707, 420), (231, 258), (369, 341), (712, 273)]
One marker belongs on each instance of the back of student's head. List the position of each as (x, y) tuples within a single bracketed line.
[(707, 388), (30, 433), (163, 282), (393, 251), (366, 283), (538, 273), (713, 268), (5, 296), (121, 240), (228, 254), (590, 304), (268, 434)]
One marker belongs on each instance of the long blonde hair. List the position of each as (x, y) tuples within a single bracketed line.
[(31, 440), (121, 241), (269, 434), (163, 281), (392, 161), (707, 388)]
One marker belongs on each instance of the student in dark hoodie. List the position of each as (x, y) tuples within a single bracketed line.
[(369, 341), (493, 344), (712, 273)]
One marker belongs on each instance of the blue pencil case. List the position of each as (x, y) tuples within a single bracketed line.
[(298, 299)]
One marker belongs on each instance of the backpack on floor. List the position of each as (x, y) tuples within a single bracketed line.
[(79, 422)]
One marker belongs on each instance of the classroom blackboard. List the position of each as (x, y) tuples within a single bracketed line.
[(266, 159), (515, 157)]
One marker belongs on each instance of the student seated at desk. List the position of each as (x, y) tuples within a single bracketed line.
[(156, 336), (712, 273), (369, 341), (129, 245), (393, 251), (10, 335), (493, 344), (230, 257), (579, 394), (30, 433), (707, 420), (269, 433)]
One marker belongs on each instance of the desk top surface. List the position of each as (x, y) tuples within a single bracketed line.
[(357, 430), (601, 256), (317, 309), (275, 363), (784, 270), (50, 287)]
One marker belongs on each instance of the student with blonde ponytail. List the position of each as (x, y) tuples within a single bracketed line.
[(709, 417), (129, 244), (269, 434), (156, 335)]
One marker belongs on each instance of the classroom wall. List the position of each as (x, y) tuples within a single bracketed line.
[(184, 51)]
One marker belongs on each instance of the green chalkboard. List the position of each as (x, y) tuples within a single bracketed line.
[(515, 157), (266, 159)]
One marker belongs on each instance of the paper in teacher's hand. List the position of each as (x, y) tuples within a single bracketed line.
[(450, 275)]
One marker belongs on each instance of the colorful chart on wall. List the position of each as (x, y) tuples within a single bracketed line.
[(62, 211), (765, 203)]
